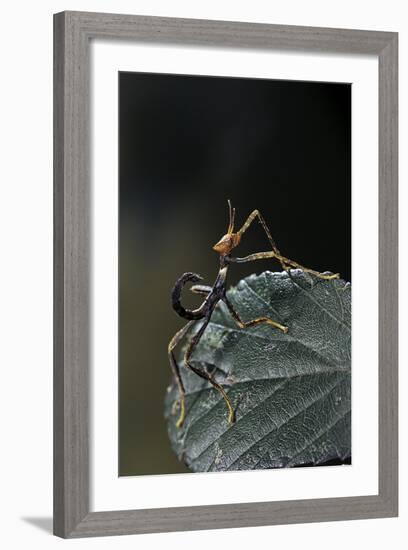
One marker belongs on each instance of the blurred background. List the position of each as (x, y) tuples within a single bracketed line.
[(187, 144)]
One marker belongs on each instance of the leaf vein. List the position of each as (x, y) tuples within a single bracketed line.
[(320, 434), (313, 402), (311, 298)]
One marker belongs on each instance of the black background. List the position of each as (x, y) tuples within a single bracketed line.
[(187, 144)]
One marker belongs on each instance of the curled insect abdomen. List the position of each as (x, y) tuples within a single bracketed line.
[(191, 314)]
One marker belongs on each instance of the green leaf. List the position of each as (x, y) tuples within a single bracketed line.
[(291, 392)]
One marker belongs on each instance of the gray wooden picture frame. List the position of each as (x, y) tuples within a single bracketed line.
[(72, 34)]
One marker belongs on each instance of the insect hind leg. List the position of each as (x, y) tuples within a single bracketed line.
[(176, 369), (202, 374)]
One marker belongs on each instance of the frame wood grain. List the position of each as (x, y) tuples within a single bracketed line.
[(72, 33)]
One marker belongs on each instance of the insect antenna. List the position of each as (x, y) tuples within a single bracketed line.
[(231, 218)]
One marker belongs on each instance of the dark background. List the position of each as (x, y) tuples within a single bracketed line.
[(187, 144)]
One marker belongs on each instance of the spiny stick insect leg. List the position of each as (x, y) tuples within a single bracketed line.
[(245, 324), (191, 347), (176, 369), (286, 263), (246, 225)]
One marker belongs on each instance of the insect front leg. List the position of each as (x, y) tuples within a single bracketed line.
[(286, 263), (256, 214), (295, 265)]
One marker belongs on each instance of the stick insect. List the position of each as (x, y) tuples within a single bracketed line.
[(216, 293)]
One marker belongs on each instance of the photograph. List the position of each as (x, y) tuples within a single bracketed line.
[(234, 274)]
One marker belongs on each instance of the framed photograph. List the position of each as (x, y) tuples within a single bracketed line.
[(225, 274)]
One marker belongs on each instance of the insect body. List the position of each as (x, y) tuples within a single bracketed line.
[(217, 293)]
